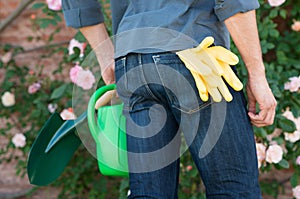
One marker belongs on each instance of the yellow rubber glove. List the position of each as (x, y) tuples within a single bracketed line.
[(208, 65)]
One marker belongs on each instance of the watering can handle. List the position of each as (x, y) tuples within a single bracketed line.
[(104, 99), (95, 103)]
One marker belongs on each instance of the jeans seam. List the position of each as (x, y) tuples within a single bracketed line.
[(156, 60), (204, 105), (144, 79)]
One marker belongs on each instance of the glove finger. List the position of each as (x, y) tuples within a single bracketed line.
[(215, 94), (225, 92), (224, 55), (200, 86), (231, 77), (210, 62), (211, 80), (207, 61), (205, 43), (204, 96)]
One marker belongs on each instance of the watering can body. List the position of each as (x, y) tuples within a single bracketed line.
[(108, 131)]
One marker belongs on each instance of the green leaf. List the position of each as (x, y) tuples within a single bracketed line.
[(260, 132), (45, 22), (284, 164), (270, 188), (283, 13), (79, 37), (270, 46), (57, 18), (276, 91), (273, 13), (38, 5), (294, 179), (286, 125), (274, 33), (59, 92)]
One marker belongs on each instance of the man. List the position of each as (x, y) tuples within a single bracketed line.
[(160, 96)]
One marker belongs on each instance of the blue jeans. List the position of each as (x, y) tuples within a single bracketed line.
[(162, 106)]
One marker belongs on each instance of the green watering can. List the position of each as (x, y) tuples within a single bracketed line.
[(109, 134), (57, 141)]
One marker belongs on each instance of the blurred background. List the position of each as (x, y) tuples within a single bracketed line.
[(40, 59)]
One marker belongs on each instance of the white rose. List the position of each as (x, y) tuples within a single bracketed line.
[(276, 3), (274, 154), (288, 114), (261, 153), (19, 140), (297, 123), (67, 114), (296, 192), (8, 99), (292, 137), (6, 57)]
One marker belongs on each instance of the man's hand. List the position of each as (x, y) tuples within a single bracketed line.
[(243, 30), (259, 92), (108, 73)]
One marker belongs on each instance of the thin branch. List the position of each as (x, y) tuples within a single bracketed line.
[(47, 46), (14, 14)]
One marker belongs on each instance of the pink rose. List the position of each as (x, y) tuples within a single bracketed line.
[(261, 153), (85, 79), (275, 3), (54, 4), (298, 160), (274, 154), (189, 167), (296, 192), (292, 137), (296, 26), (19, 140), (74, 73), (67, 114), (293, 85), (74, 43), (33, 88)]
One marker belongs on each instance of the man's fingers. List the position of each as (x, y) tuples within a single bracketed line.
[(252, 105), (251, 102), (263, 118)]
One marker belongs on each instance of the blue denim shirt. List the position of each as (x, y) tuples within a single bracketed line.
[(149, 26)]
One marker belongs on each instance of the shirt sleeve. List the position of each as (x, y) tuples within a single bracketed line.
[(227, 8), (80, 13)]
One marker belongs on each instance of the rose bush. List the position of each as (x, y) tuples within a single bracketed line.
[(35, 97)]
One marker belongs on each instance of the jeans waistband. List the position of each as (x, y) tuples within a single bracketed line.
[(145, 55)]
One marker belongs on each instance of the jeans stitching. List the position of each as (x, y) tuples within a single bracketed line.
[(144, 79)]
